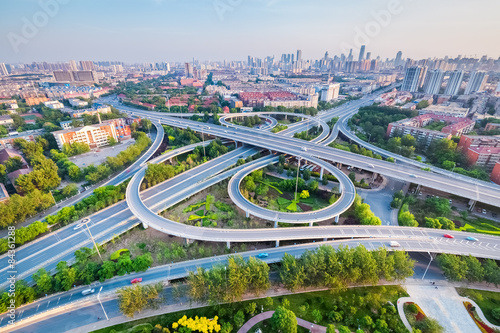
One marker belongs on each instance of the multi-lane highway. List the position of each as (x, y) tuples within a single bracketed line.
[(459, 185), (57, 321)]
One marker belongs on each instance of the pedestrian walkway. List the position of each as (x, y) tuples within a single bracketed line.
[(268, 314), (444, 304)]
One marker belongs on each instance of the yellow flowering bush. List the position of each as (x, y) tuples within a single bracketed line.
[(203, 324)]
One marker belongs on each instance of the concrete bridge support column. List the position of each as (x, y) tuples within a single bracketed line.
[(189, 241), (144, 225), (321, 173), (325, 239), (472, 205), (247, 214), (228, 245), (418, 188), (276, 223), (311, 224), (337, 219), (277, 243)]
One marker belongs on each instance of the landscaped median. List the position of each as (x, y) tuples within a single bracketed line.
[(471, 309)]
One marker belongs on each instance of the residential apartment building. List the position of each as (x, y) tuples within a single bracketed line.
[(90, 112), (454, 83), (412, 79), (495, 173), (485, 157), (415, 127), (94, 135), (476, 82), (433, 82)]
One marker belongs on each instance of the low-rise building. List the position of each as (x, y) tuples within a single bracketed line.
[(54, 105), (16, 174), (416, 127), (7, 153), (6, 121), (90, 112), (4, 196), (8, 142), (75, 102), (492, 127), (446, 109), (94, 135)]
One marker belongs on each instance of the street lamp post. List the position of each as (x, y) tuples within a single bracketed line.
[(423, 276), (102, 306), (297, 182), (86, 221), (203, 138)]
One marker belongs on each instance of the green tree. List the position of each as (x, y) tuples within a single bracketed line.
[(316, 315), (330, 329), (284, 320), (239, 318), (13, 164), (43, 281), (143, 262), (146, 124)]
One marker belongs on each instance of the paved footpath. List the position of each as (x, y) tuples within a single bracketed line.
[(268, 314), (444, 304)]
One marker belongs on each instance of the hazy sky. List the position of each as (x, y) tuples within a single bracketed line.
[(178, 30)]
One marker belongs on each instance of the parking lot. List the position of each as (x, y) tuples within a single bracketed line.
[(98, 156)]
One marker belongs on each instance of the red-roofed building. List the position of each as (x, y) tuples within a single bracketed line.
[(495, 174), (225, 109), (483, 156)]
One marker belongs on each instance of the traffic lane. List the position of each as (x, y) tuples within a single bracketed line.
[(119, 212), (274, 255), (101, 230), (261, 135), (347, 196)]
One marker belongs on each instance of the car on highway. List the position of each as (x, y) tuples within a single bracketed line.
[(304, 149), (88, 291), (413, 176), (484, 211), (394, 244), (448, 236), (473, 239), (78, 226), (136, 280), (262, 255), (478, 210)]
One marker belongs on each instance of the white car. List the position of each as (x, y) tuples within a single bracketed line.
[(395, 244), (304, 149)]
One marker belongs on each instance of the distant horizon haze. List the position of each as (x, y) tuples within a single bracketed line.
[(178, 31)]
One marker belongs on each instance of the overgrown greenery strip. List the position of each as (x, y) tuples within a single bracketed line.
[(157, 173), (488, 301), (469, 268), (84, 271), (367, 307), (102, 197)]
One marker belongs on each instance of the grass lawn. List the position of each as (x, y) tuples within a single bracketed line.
[(278, 199), (487, 301), (339, 307), (482, 226)]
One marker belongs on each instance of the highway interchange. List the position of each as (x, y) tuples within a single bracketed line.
[(104, 224)]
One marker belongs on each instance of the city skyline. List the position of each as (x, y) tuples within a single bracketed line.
[(242, 29)]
